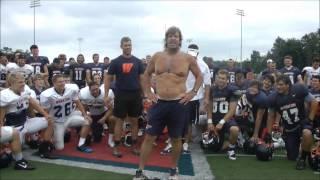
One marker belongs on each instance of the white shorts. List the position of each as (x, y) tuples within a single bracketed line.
[(75, 119), (6, 134), (32, 125)]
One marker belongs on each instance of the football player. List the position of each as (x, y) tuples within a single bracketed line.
[(14, 103), (78, 72), (291, 71), (92, 97), (221, 110), (94, 68), (58, 101), (289, 102)]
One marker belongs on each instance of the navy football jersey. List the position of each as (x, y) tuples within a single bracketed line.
[(232, 74), (292, 73), (291, 106), (38, 64), (96, 69), (52, 71), (78, 72), (221, 99)]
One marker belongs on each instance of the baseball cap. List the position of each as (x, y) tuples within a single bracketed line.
[(269, 61), (193, 52)]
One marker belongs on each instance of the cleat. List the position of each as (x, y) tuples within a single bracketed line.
[(232, 155), (301, 164), (23, 165)]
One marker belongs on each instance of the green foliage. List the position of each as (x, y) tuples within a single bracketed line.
[(302, 50)]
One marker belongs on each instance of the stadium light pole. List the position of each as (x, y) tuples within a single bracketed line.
[(80, 39), (240, 12), (34, 4)]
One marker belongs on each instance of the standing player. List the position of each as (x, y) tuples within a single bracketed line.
[(291, 71), (39, 63), (310, 71), (58, 101), (22, 67), (232, 69), (55, 68), (221, 110), (289, 102), (78, 72), (92, 97), (3, 70), (94, 68)]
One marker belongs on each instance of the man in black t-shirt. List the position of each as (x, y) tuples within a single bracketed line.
[(128, 71)]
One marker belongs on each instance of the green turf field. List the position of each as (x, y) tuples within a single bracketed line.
[(248, 168), (47, 171), (244, 168)]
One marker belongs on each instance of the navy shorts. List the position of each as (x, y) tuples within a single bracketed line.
[(167, 113), (193, 112), (225, 131)]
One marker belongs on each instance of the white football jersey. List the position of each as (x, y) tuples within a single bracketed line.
[(26, 70), (95, 104), (3, 75), (16, 105), (310, 71), (59, 106)]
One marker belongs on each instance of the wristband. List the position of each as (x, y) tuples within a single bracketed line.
[(222, 121), (209, 121)]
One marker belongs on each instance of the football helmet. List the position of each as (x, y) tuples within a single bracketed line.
[(314, 158), (5, 159), (210, 141), (249, 146), (264, 151), (276, 136), (316, 133)]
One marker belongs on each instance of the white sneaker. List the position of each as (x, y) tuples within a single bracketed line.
[(140, 132), (111, 143), (232, 155), (166, 150), (174, 174)]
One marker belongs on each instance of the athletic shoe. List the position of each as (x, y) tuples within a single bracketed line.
[(23, 165), (166, 150), (84, 148), (232, 155), (173, 174), (301, 164)]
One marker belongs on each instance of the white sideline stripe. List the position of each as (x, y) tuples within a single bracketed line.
[(200, 165), (242, 155)]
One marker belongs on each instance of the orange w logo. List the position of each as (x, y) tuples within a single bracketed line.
[(126, 67)]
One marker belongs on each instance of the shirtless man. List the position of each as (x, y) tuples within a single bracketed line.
[(171, 68)]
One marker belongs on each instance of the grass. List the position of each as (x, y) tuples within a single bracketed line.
[(244, 168), (46, 171), (249, 168)]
